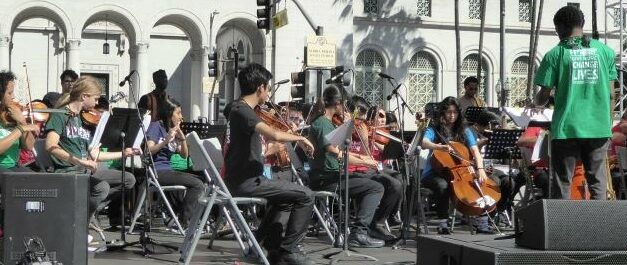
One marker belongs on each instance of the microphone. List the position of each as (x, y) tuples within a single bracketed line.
[(277, 84), (117, 97), (382, 75), (127, 78), (281, 82), (337, 76), (395, 91)]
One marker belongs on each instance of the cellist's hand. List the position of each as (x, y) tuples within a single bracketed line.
[(481, 175), (446, 147)]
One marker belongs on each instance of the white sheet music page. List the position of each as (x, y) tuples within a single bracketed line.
[(339, 135), (140, 135), (522, 116), (104, 117), (537, 153)]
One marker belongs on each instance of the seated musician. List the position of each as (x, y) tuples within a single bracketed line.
[(68, 139), (15, 133), (325, 169), (244, 167), (619, 134), (448, 126), (393, 188), (165, 139), (470, 97), (378, 118), (391, 121)]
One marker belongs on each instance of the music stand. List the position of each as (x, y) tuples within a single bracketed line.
[(472, 114), (117, 130), (342, 137), (502, 145)]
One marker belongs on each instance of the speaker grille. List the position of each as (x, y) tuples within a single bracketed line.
[(569, 258), (35, 193)]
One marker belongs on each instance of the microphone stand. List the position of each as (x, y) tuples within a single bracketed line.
[(144, 238)]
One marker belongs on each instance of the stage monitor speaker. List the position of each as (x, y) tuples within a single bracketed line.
[(52, 207), (572, 225)]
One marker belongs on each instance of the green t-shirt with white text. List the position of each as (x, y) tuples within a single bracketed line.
[(581, 78), (9, 158)]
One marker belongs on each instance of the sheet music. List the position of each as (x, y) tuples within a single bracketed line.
[(539, 151), (522, 117), (104, 118), (340, 134)]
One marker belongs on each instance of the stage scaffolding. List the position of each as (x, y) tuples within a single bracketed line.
[(616, 11)]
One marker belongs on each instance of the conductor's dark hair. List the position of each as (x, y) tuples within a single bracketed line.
[(566, 19), (470, 79), (251, 77)]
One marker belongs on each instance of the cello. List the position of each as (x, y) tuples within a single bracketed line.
[(471, 197)]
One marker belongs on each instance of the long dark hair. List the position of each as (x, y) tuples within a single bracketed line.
[(457, 130), (5, 78), (166, 109)]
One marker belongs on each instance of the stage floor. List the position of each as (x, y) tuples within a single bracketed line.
[(226, 251)]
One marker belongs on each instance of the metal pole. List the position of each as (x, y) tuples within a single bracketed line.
[(532, 66), (458, 54), (503, 97), (481, 29), (318, 29), (532, 17), (621, 52)]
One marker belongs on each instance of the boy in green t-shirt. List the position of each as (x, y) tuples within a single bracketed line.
[(582, 72)]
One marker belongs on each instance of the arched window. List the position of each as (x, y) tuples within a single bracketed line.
[(368, 84), (469, 68), (423, 8), (518, 80), (421, 81)]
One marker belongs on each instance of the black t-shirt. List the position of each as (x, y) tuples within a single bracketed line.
[(243, 157)]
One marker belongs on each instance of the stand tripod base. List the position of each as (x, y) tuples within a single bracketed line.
[(116, 245), (150, 247), (346, 255)]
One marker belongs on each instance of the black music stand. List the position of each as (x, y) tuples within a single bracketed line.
[(472, 114), (342, 137), (502, 145), (121, 130)]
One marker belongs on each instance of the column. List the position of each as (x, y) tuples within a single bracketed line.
[(73, 51), (193, 96), (143, 77), (204, 72), (5, 52)]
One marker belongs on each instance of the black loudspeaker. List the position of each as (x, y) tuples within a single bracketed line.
[(572, 225), (486, 250), (52, 207)]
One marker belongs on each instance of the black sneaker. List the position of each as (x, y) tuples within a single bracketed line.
[(381, 233), (362, 240), (297, 258), (443, 228)]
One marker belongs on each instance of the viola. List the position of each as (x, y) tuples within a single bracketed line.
[(471, 197)]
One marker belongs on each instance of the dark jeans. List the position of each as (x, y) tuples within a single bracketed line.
[(393, 190), (593, 154), (195, 189), (366, 191), (441, 189), (114, 195), (284, 198)]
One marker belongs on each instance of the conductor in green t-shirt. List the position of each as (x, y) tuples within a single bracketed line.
[(582, 73)]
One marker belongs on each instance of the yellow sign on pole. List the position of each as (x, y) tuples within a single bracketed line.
[(321, 51), (208, 84), (280, 19)]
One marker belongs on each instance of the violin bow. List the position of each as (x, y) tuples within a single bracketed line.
[(30, 99)]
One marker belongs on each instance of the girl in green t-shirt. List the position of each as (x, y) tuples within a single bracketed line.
[(15, 133)]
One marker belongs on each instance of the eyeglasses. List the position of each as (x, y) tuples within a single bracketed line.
[(69, 81), (381, 115)]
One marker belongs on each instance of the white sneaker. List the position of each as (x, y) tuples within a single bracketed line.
[(89, 239)]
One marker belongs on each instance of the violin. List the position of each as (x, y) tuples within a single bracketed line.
[(281, 159), (91, 117), (34, 112), (470, 196)]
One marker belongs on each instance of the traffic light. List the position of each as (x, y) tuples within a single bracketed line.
[(239, 61), (264, 13), (298, 85), (213, 64)]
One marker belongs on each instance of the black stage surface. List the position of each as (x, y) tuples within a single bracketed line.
[(464, 249)]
